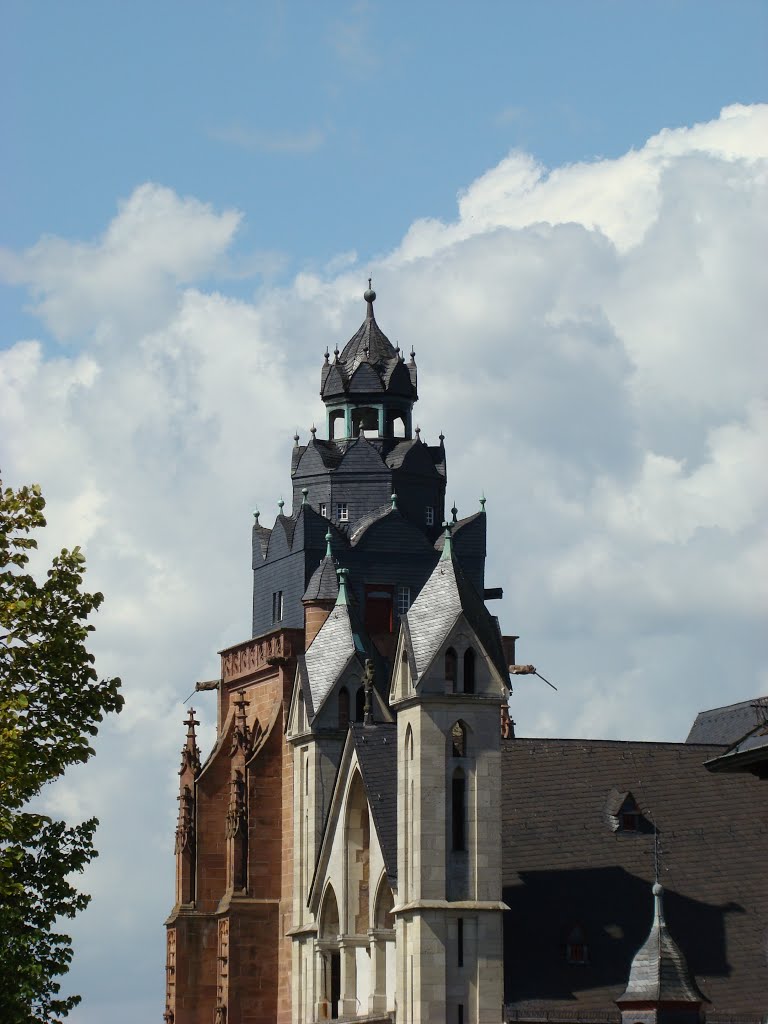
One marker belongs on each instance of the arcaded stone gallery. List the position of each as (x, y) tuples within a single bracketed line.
[(370, 840)]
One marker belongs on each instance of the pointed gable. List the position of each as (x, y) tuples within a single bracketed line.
[(445, 596), (365, 379)]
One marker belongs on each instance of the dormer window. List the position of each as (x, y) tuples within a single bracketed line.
[(342, 512), (624, 815), (324, 509), (429, 515)]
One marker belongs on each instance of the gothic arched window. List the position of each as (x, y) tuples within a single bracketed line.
[(343, 707), (360, 704), (469, 670), (450, 667)]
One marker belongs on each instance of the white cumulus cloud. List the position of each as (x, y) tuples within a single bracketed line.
[(589, 337)]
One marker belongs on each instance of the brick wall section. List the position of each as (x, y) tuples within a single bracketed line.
[(259, 954)]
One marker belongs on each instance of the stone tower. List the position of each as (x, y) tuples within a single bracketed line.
[(288, 904), (450, 682)]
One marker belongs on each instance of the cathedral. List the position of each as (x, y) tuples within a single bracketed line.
[(369, 840)]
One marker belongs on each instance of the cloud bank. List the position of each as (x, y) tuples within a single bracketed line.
[(591, 340)]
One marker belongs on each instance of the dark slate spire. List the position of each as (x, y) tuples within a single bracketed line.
[(369, 343), (324, 583), (659, 971)]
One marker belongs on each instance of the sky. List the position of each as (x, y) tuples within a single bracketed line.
[(563, 207)]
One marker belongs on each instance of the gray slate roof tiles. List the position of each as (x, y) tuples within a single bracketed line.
[(659, 969), (446, 594), (376, 747), (564, 866), (324, 583), (724, 725), (330, 652)]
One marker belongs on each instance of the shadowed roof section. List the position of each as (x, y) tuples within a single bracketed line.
[(376, 747), (564, 866)]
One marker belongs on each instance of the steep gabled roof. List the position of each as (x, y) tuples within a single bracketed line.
[(726, 725), (443, 598), (376, 747), (337, 643)]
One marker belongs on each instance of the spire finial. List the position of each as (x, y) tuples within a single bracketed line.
[(447, 554), (327, 354), (394, 500), (482, 502), (304, 493), (418, 432), (296, 439), (343, 597), (441, 437), (370, 298), (256, 515), (328, 552), (413, 355), (336, 354), (313, 431), (280, 505), (455, 513)]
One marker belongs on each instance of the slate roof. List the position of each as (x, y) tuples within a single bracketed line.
[(369, 335), (659, 969), (750, 754), (446, 594), (338, 641), (324, 583), (563, 866), (376, 748), (725, 725)]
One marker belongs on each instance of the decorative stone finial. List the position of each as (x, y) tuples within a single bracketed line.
[(482, 502), (296, 439), (336, 354), (447, 554), (313, 431), (327, 355), (455, 513), (441, 437), (418, 433), (413, 355), (256, 515), (304, 493), (328, 552), (280, 505), (394, 500)]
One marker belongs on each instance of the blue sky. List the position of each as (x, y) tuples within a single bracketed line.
[(335, 125), (564, 209)]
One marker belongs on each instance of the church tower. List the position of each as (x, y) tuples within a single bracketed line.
[(297, 898), (449, 687)]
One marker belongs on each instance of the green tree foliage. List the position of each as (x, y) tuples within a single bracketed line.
[(51, 701)]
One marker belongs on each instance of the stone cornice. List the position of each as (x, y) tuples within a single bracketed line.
[(456, 906), (260, 654)]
